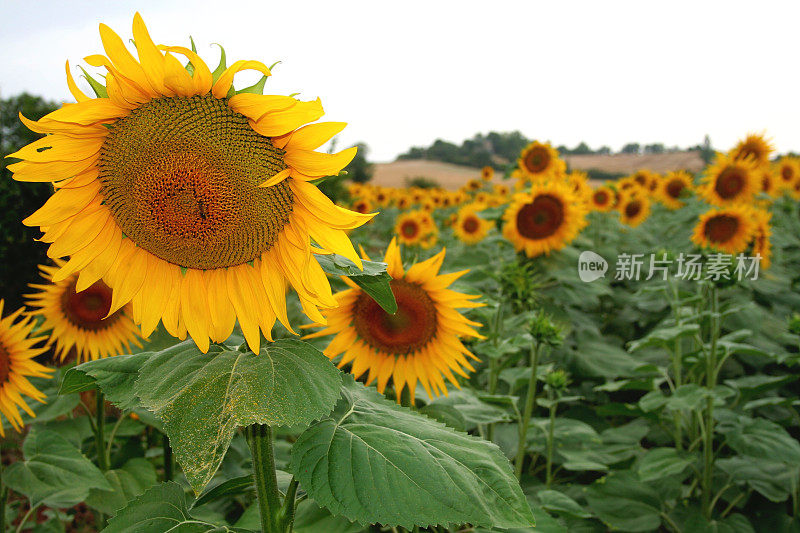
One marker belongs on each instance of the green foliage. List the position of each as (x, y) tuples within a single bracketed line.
[(373, 279), (359, 170), (422, 182)]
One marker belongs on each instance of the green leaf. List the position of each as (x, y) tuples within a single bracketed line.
[(374, 461), (54, 405), (202, 398), (561, 504), (114, 375), (54, 471), (664, 336), (625, 503), (463, 410), (770, 478), (662, 462), (374, 280), (135, 476), (761, 439), (161, 508), (231, 487)]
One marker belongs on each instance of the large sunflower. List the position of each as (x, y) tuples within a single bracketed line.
[(540, 160), (16, 365), (421, 342), (544, 219), (469, 227), (729, 229), (634, 209), (729, 181), (754, 148), (77, 317), (674, 186), (189, 199)]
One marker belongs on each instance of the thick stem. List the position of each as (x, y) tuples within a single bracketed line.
[(167, 458), (266, 481), (530, 403), (99, 436), (550, 433), (711, 379)]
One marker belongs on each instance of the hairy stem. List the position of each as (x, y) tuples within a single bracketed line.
[(530, 403), (550, 432), (711, 378), (259, 438)]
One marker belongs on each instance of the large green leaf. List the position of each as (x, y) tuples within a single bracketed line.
[(135, 476), (374, 280), (770, 478), (54, 471), (374, 461), (761, 439), (202, 398), (161, 508), (114, 375), (625, 503), (661, 462)]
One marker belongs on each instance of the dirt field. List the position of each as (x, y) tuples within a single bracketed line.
[(451, 177)]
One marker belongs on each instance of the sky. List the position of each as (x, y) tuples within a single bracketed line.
[(406, 73)]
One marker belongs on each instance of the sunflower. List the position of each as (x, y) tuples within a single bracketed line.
[(473, 185), (544, 219), (77, 317), (540, 160), (674, 185), (754, 148), (762, 245), (501, 190), (16, 365), (413, 227), (579, 181), (646, 179), (634, 209), (382, 197), (420, 343), (788, 171), (728, 229), (403, 201), (189, 199), (469, 227), (362, 205), (728, 181), (768, 181), (602, 199), (487, 173)]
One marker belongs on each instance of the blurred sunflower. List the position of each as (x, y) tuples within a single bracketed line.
[(468, 227), (382, 197), (544, 219), (768, 181), (788, 171), (675, 185), (501, 190), (473, 185), (362, 205), (487, 173), (762, 245), (188, 198), (634, 209), (754, 148), (728, 181), (540, 160), (421, 343), (78, 317), (17, 365), (403, 201), (602, 199), (645, 179), (728, 229), (414, 228)]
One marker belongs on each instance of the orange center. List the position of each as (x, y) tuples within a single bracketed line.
[(471, 225), (787, 173), (409, 229), (87, 309), (537, 159), (601, 198), (675, 188), (540, 218), (409, 329), (633, 208), (729, 183), (721, 228)]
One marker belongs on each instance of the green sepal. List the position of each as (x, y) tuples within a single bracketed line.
[(98, 88), (256, 88), (222, 64)]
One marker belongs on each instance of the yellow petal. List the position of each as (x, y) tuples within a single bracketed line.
[(316, 164), (73, 88), (225, 80), (202, 75), (151, 60), (282, 122), (59, 148), (63, 204), (255, 106), (194, 308), (123, 60), (313, 136), (88, 112)]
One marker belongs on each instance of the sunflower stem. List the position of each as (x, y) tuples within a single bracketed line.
[(530, 403), (167, 458), (3, 500), (259, 437), (711, 382), (493, 362), (100, 424), (550, 432)]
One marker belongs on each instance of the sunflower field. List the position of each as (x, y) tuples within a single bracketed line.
[(215, 345)]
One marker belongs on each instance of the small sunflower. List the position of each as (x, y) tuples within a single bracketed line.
[(473, 185), (634, 209), (382, 197), (762, 245), (188, 198), (544, 219), (421, 343), (501, 190), (729, 181), (754, 148), (487, 173), (79, 317), (469, 227), (646, 179), (362, 205), (602, 199), (674, 186), (16, 365), (728, 229), (788, 171), (408, 228), (403, 201), (768, 181), (540, 160)]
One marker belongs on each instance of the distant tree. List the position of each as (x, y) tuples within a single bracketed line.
[(422, 182), (630, 148), (21, 254), (360, 170), (656, 148), (582, 149), (493, 149), (707, 152), (603, 150)]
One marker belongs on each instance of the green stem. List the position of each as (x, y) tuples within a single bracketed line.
[(530, 403), (3, 500), (99, 436), (111, 436), (266, 481), (677, 364), (550, 433), (494, 370), (711, 378), (24, 520), (287, 513), (167, 458)]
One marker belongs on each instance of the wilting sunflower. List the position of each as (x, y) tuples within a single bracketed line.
[(76, 316), (754, 148), (602, 199), (16, 365), (634, 209), (728, 229), (540, 160), (762, 245), (420, 343), (544, 219), (675, 185), (188, 198), (729, 181), (487, 173), (469, 227)]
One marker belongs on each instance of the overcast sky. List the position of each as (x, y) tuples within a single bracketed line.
[(406, 73)]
